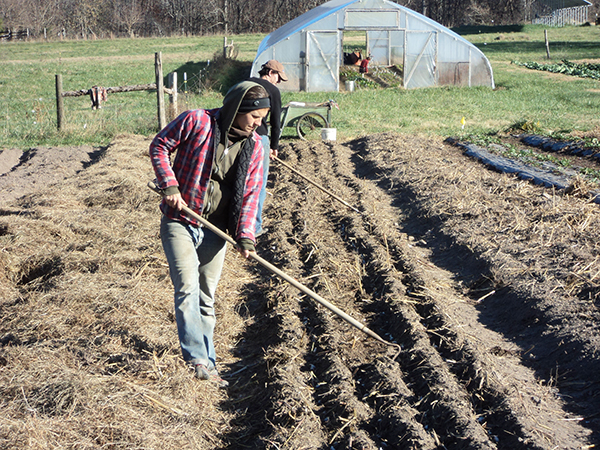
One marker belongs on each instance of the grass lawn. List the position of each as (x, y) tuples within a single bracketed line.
[(556, 103)]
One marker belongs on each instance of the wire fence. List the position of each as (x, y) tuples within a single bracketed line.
[(14, 35), (565, 16)]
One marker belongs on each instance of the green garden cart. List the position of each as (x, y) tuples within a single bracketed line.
[(307, 118)]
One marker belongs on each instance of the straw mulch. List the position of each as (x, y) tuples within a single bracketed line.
[(89, 355), (497, 279)]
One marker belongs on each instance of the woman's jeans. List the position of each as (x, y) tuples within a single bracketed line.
[(196, 257), (266, 142)]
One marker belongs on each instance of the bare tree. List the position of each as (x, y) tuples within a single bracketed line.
[(211, 16), (127, 14), (479, 14), (43, 14), (166, 17), (13, 14), (506, 12), (175, 11), (80, 17)]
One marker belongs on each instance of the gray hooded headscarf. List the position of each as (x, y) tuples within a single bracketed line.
[(234, 103)]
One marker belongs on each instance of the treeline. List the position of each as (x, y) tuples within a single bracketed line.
[(86, 19)]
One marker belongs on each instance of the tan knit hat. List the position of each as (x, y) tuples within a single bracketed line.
[(276, 66)]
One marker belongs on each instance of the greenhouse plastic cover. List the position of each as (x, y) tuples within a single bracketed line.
[(309, 47)]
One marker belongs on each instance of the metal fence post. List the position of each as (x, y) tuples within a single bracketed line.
[(173, 95)]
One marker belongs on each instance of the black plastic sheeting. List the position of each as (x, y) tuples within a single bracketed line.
[(551, 145), (538, 176)]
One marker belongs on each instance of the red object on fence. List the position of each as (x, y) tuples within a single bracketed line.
[(98, 95)]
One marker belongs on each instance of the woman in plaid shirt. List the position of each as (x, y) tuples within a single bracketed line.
[(216, 172)]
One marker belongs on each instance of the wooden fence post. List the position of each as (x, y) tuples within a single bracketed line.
[(547, 44), (159, 86), (60, 110), (160, 95), (227, 48)]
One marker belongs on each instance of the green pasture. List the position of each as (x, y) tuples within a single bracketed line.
[(555, 103)]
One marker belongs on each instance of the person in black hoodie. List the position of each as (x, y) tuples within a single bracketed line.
[(271, 74)]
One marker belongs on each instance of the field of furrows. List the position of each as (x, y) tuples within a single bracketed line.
[(487, 284)]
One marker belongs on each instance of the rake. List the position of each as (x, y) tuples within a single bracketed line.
[(286, 277)]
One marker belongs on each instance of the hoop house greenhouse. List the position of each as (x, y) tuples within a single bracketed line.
[(311, 47)]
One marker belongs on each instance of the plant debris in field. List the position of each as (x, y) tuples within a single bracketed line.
[(487, 282)]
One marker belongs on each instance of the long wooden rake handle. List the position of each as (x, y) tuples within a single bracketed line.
[(317, 185), (286, 277)]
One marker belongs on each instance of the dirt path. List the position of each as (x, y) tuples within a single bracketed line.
[(488, 284), (35, 170)]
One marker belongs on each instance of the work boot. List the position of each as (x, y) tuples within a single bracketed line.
[(261, 232), (204, 373)]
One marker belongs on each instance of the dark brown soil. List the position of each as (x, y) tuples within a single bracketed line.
[(488, 283)]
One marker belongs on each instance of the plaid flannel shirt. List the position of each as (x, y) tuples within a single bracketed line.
[(192, 136)]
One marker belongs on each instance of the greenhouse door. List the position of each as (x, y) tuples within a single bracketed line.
[(386, 47), (322, 61), (420, 59)]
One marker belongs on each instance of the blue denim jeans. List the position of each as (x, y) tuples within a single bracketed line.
[(266, 142), (196, 257)]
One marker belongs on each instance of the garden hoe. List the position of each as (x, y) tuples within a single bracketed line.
[(283, 275)]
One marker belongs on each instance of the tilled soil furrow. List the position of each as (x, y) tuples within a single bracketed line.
[(507, 419), (269, 392), (332, 363), (296, 425), (350, 397), (328, 378), (288, 414), (463, 360), (448, 350), (452, 417), (352, 230), (471, 368), (293, 413), (445, 407)]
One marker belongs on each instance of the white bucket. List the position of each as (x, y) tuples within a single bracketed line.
[(349, 86), (328, 134)]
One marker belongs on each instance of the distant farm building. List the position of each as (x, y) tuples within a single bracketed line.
[(311, 47), (558, 13)]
